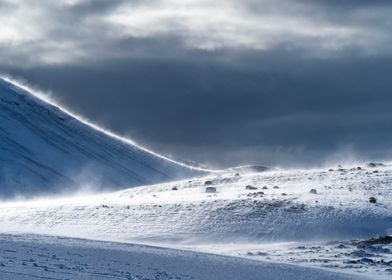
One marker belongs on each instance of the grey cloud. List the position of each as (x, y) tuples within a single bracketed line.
[(6, 6), (288, 103), (95, 7), (83, 33), (209, 108), (352, 4)]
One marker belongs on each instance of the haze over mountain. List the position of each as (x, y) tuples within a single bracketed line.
[(46, 150)]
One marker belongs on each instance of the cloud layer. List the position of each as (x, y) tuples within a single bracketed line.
[(68, 31), (221, 82)]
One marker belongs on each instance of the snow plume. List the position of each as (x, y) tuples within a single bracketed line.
[(49, 98), (64, 152)]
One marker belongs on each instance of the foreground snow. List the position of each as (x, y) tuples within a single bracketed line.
[(43, 257), (286, 223)]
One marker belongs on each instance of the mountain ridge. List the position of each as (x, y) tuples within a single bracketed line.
[(45, 149)]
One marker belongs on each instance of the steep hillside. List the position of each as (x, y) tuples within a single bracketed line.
[(46, 150)]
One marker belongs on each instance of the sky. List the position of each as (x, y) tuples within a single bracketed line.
[(220, 83)]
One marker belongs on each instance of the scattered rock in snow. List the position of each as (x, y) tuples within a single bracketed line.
[(385, 240), (372, 200), (251, 254), (265, 188), (207, 183), (375, 164), (237, 174), (330, 170), (276, 187), (174, 189), (249, 187), (313, 191), (255, 194), (258, 168), (210, 190), (284, 194)]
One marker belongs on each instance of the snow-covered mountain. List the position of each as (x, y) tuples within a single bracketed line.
[(47, 150)]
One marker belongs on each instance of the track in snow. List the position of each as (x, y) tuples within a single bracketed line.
[(43, 257)]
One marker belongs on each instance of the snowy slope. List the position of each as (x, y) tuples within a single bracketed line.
[(45, 150), (339, 210), (40, 257), (297, 227)]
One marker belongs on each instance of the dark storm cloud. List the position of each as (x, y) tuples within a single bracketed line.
[(352, 4), (314, 84), (211, 109), (5, 5), (94, 7)]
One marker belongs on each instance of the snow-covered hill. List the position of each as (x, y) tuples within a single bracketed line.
[(44, 149), (297, 216)]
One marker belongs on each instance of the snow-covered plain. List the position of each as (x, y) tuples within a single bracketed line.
[(286, 223), (37, 257)]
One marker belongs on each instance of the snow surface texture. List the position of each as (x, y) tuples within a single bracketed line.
[(286, 223), (33, 257), (45, 150)]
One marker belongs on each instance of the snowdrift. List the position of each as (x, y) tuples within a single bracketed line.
[(281, 209)]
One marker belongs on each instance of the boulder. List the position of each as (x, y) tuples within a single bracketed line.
[(210, 190), (384, 240), (313, 191), (207, 183), (375, 164), (255, 194), (249, 187)]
